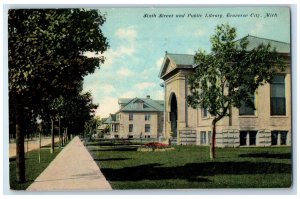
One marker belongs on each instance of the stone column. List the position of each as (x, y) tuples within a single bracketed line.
[(248, 139), (279, 139)]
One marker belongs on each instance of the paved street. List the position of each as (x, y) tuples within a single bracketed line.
[(72, 169), (32, 144)]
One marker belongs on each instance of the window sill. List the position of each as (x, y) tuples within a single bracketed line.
[(248, 116), (249, 146), (279, 116)]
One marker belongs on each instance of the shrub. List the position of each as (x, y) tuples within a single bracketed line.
[(156, 145)]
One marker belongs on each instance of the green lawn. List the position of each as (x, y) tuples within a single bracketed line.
[(190, 167), (32, 165)]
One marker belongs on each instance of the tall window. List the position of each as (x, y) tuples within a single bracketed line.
[(147, 117), (147, 128), (203, 137), (130, 127), (245, 109), (204, 112), (252, 137), (130, 116), (209, 137), (278, 95), (283, 137), (243, 138)]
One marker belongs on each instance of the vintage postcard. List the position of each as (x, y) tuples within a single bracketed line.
[(150, 98)]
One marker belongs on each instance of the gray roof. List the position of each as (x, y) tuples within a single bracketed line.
[(182, 59), (103, 120), (150, 105), (113, 117), (281, 47), (187, 61), (161, 102), (110, 119)]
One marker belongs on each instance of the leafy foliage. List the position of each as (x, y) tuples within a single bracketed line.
[(46, 61), (46, 50), (74, 111), (230, 74)]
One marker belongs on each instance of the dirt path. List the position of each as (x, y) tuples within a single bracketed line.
[(32, 144)]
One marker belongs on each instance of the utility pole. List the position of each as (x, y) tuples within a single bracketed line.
[(39, 122), (59, 138), (52, 135)]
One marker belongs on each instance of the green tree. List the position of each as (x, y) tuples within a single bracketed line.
[(46, 59), (75, 119), (229, 74)]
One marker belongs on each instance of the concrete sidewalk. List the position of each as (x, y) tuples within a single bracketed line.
[(72, 169)]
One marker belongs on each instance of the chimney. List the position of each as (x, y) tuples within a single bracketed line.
[(148, 96)]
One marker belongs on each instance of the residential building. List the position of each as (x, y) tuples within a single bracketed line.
[(137, 118), (101, 127), (113, 127), (268, 125)]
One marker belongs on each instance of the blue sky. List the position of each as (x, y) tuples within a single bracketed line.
[(138, 45)]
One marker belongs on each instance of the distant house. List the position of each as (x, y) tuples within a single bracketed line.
[(269, 124), (101, 127), (113, 126), (137, 118)]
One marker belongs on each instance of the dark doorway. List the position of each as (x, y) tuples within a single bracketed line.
[(173, 115)]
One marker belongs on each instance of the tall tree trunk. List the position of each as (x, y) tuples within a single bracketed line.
[(59, 140), (52, 135), (213, 143), (63, 138), (67, 138), (20, 154), (40, 142)]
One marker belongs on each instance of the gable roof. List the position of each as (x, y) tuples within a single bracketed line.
[(181, 61), (281, 47), (110, 119), (161, 102), (149, 105), (103, 120), (187, 61)]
